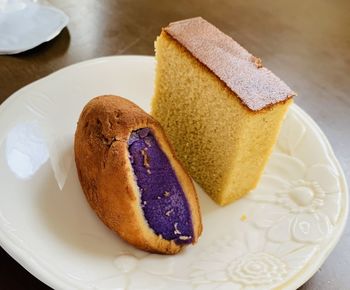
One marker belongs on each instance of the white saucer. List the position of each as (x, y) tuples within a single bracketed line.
[(25, 25), (276, 237)]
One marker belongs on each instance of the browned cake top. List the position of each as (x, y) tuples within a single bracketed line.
[(243, 73)]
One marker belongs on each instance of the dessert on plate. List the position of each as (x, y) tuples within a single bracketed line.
[(219, 106), (132, 179)]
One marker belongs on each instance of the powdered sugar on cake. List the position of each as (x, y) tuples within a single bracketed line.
[(243, 73)]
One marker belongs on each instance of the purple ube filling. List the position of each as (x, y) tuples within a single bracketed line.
[(162, 199)]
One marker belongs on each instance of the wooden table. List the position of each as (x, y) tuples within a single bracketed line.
[(306, 43)]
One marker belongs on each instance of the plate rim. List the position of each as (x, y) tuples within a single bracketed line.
[(31, 265), (64, 22), (308, 270)]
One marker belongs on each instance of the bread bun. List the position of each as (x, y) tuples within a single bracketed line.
[(131, 178)]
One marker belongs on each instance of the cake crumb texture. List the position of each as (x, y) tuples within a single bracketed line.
[(222, 143)]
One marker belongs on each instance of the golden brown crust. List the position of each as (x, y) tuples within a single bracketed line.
[(206, 68), (243, 73), (106, 176)]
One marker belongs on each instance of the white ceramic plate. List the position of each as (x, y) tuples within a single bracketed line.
[(25, 25), (277, 236)]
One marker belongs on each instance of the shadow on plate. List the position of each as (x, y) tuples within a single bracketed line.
[(50, 49)]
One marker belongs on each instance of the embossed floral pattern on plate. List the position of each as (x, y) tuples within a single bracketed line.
[(276, 236)]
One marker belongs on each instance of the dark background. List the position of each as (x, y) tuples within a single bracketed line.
[(306, 43)]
